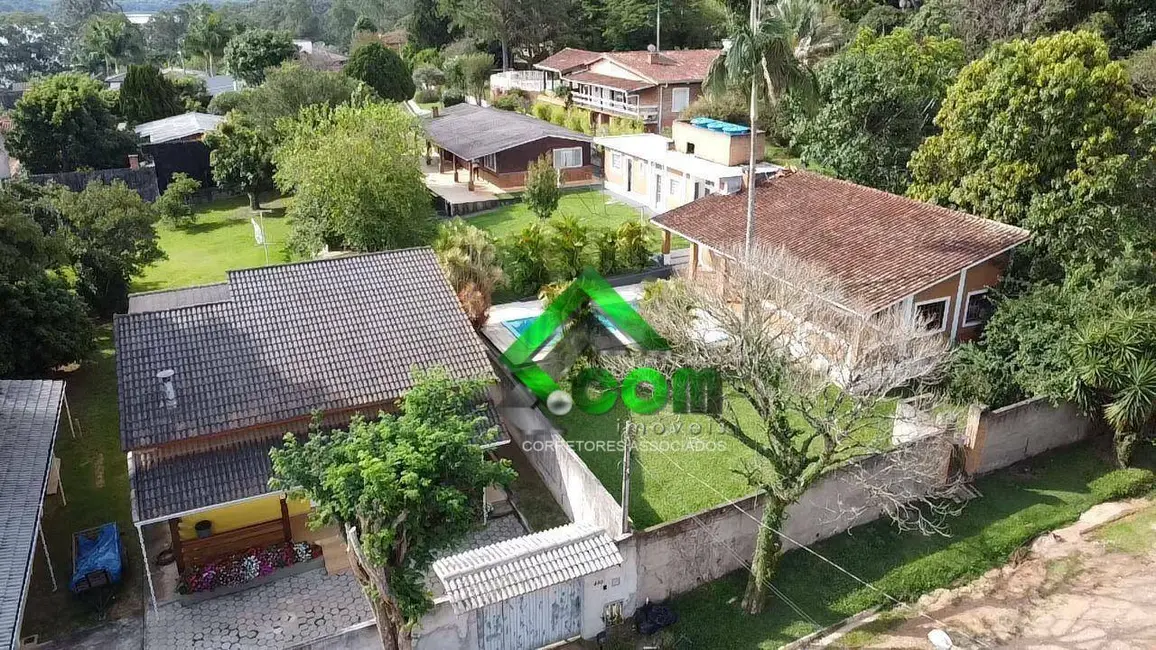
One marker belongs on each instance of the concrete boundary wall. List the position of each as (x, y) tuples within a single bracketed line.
[(677, 556), (580, 494), (1010, 434)]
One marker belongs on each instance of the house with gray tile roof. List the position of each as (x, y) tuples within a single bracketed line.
[(211, 378), (29, 415)]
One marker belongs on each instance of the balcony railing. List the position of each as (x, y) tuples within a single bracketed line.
[(535, 81), (643, 112)]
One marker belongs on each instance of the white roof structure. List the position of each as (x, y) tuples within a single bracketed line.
[(214, 84), (501, 571), (656, 149), (178, 127)]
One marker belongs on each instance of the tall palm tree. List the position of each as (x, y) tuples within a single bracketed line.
[(207, 35), (113, 38), (470, 261), (772, 56)]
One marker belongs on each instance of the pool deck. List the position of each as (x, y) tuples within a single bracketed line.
[(500, 336)]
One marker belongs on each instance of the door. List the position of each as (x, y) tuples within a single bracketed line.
[(532, 620), (629, 174)]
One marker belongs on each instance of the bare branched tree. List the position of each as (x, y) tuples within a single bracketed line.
[(820, 377)]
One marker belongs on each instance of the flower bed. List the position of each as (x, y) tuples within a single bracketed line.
[(239, 568)]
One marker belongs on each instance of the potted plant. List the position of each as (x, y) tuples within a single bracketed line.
[(204, 528)]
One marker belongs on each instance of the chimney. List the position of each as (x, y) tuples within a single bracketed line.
[(652, 54), (170, 393), (434, 111), (133, 161)]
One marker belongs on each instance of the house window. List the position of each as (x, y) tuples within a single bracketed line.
[(679, 99), (932, 314), (568, 158), (675, 185), (690, 147), (490, 162), (978, 308), (615, 160)]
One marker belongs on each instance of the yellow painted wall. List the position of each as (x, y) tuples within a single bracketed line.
[(243, 514)]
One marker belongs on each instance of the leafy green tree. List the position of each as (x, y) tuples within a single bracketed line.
[(542, 190), (112, 38), (524, 260), (250, 53), (469, 258), (393, 530), (207, 35), (173, 204), (65, 122), (469, 72), (364, 24), (290, 88), (33, 46), (146, 95), (629, 24), (879, 99), (380, 203), (883, 19), (428, 75), (191, 92), (240, 153), (1142, 70), (381, 69), (111, 235), (74, 13), (163, 34), (1048, 135), (527, 26), (427, 27)]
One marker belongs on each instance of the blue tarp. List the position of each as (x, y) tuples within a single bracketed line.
[(102, 551)]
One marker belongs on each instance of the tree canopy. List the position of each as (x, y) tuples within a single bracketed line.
[(146, 95), (1049, 135), (381, 69), (250, 53), (33, 46), (65, 122), (401, 489), (380, 203), (290, 88), (240, 153), (879, 99), (113, 39)]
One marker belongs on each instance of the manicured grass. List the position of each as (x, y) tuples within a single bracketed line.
[(1018, 504), (1134, 534), (95, 479), (221, 240), (659, 491), (593, 208)]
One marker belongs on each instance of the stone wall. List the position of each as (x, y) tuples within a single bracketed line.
[(1010, 434)]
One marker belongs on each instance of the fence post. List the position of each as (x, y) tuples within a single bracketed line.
[(976, 437)]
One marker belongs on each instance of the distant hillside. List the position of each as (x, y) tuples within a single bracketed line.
[(129, 6)]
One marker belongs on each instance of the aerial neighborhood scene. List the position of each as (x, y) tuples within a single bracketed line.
[(577, 324)]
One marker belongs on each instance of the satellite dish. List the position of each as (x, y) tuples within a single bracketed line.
[(940, 640), (650, 48)]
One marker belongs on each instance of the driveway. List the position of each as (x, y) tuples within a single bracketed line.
[(1090, 586)]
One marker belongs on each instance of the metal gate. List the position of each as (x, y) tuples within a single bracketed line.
[(532, 620)]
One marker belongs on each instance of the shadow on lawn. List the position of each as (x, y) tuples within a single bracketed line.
[(1017, 504)]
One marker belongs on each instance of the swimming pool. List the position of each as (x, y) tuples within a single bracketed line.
[(519, 325)]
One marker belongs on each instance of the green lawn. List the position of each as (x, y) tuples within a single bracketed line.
[(1135, 534), (95, 479), (1018, 504), (221, 240), (593, 207)]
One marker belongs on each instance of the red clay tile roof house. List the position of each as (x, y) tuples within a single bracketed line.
[(885, 250), (209, 379), (654, 87)]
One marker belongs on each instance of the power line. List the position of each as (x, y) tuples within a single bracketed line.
[(813, 551)]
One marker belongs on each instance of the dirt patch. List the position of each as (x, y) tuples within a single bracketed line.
[(98, 471), (1072, 589)]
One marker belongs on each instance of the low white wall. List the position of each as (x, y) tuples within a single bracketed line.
[(1013, 433), (442, 629), (575, 488), (678, 556)]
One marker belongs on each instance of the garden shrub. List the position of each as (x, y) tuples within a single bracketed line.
[(508, 102), (452, 97), (607, 242), (173, 204), (558, 115), (1122, 484), (632, 251), (579, 120), (542, 110)]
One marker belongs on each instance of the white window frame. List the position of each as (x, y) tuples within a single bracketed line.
[(967, 303), (616, 160), (675, 186), (558, 153), (674, 104), (946, 300), (490, 162)]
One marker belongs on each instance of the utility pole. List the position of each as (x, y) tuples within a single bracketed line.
[(658, 26), (750, 233), (627, 439)]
